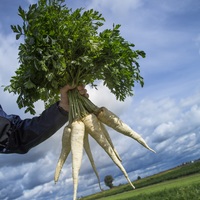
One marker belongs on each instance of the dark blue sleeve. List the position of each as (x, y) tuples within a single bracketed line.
[(28, 133)]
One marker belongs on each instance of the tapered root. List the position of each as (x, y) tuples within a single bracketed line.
[(66, 148), (113, 121), (77, 138), (93, 127), (89, 154), (105, 132)]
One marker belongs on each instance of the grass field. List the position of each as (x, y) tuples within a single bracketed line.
[(186, 188), (179, 183)]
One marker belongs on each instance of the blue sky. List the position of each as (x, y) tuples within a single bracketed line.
[(166, 111)]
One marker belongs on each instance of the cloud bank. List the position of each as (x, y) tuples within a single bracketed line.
[(166, 112)]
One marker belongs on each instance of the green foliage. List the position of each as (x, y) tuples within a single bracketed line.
[(108, 180), (64, 46)]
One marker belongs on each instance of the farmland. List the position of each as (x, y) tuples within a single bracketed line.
[(180, 183), (186, 188)]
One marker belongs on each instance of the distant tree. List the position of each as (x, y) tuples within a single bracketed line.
[(138, 178), (108, 181)]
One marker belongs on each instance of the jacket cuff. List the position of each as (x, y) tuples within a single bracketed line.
[(61, 110)]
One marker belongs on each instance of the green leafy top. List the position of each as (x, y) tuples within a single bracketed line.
[(64, 46)]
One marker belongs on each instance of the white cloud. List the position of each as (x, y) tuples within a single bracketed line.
[(164, 131), (116, 7), (103, 97), (32, 1), (8, 57)]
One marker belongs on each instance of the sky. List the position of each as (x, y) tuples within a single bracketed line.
[(165, 112)]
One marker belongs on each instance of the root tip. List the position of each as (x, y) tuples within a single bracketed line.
[(152, 150)]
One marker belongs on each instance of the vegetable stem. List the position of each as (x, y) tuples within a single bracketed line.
[(89, 106), (77, 108)]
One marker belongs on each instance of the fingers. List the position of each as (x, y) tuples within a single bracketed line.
[(69, 87), (66, 88), (80, 87), (82, 90)]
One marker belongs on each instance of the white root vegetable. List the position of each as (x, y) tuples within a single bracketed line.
[(66, 148), (105, 132), (93, 127), (89, 154), (77, 139), (113, 121)]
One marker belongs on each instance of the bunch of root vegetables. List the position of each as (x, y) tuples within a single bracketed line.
[(75, 138), (64, 46)]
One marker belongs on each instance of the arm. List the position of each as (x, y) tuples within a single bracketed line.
[(30, 132)]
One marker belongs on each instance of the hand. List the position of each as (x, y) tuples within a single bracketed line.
[(64, 101)]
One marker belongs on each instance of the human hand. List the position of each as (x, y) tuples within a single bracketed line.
[(64, 101)]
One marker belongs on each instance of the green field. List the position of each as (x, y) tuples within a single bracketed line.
[(180, 183), (187, 188)]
